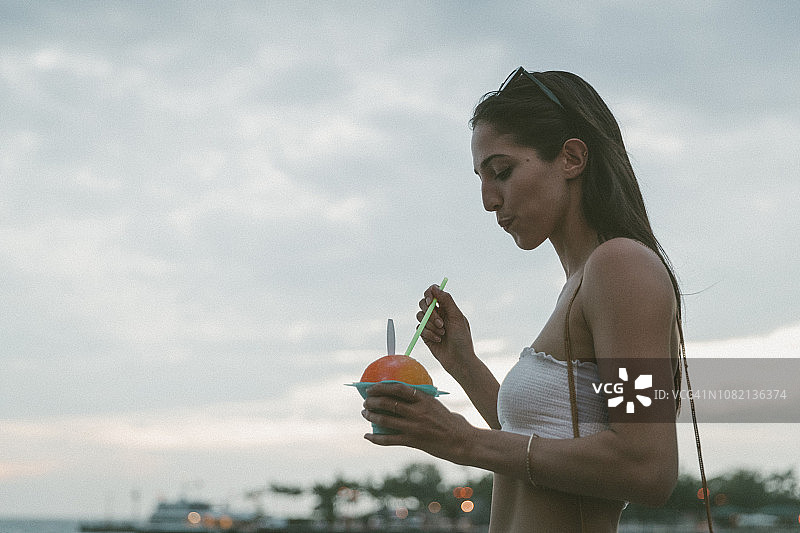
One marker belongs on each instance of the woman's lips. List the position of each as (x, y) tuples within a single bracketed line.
[(505, 223)]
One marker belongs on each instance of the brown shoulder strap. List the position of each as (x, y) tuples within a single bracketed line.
[(706, 494), (573, 399)]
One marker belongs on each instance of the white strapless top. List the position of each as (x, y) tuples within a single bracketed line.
[(534, 398)]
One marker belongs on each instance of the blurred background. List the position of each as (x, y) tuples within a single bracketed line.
[(209, 210)]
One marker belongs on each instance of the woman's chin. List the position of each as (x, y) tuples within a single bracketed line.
[(526, 244)]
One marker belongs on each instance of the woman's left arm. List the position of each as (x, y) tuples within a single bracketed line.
[(629, 306)]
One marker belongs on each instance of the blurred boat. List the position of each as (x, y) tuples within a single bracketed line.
[(184, 516)]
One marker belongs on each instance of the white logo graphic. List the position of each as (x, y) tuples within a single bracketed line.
[(645, 381)]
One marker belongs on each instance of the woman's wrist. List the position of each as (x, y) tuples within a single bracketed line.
[(481, 387), (465, 447), (497, 451), (464, 370)]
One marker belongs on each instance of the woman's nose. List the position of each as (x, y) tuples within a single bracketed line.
[(491, 198)]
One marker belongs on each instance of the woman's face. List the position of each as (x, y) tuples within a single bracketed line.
[(528, 194)]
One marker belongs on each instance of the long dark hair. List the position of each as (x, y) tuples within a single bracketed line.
[(611, 200)]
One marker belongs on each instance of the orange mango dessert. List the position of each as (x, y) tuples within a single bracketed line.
[(397, 368)]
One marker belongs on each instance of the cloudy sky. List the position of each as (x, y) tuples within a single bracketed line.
[(209, 210)]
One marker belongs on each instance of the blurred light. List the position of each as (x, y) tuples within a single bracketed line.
[(462, 492), (194, 517), (434, 507), (347, 493), (721, 499), (467, 506), (401, 513), (701, 493), (225, 522)]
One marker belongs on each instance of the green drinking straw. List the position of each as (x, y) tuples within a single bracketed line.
[(424, 321)]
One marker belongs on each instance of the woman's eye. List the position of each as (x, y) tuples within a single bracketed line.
[(503, 174)]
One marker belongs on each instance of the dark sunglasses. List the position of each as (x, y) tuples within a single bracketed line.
[(520, 72)]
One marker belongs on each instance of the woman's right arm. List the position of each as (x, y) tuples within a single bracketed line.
[(449, 339)]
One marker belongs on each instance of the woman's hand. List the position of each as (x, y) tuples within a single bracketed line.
[(422, 421), (449, 339), (447, 332)]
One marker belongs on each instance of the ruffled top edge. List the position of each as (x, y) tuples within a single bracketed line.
[(530, 351)]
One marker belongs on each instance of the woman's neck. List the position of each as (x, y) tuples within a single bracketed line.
[(573, 253), (575, 240)]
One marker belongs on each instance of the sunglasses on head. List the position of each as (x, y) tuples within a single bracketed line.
[(521, 72)]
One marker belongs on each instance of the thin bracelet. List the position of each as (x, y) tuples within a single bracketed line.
[(528, 459)]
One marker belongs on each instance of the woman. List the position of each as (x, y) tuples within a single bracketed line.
[(552, 166)]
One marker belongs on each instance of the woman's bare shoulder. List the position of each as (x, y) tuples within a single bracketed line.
[(629, 302), (622, 266), (623, 256)]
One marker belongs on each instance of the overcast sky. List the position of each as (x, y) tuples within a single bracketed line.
[(209, 210)]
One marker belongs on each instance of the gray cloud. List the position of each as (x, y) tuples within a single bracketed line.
[(214, 204)]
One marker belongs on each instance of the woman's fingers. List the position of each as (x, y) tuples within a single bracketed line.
[(395, 391), (383, 418), (419, 421), (386, 440), (383, 404), (434, 327), (390, 399), (387, 405)]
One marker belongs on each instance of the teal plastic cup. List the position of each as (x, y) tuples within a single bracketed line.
[(362, 387)]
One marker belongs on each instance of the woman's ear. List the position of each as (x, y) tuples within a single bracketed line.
[(575, 156)]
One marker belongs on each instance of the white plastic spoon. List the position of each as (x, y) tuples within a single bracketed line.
[(390, 337)]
